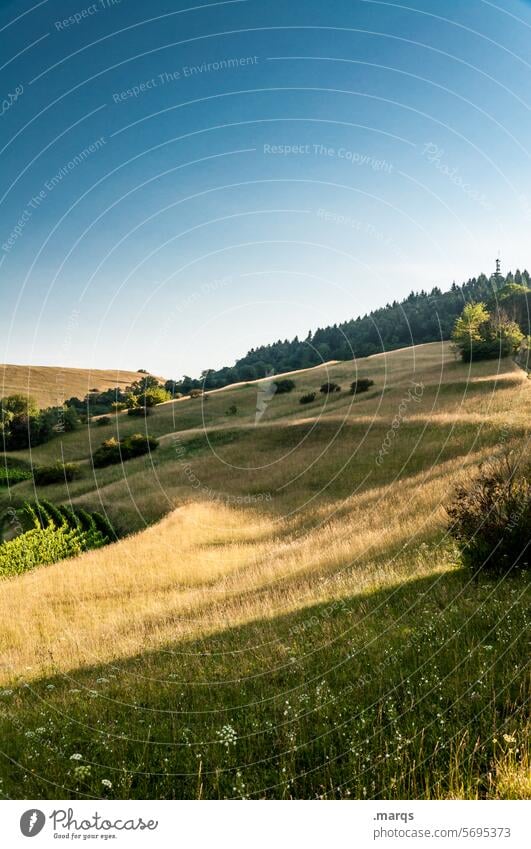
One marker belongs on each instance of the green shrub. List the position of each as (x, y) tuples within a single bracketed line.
[(56, 473), (360, 385), (138, 444), (107, 454), (490, 518), (102, 421), (111, 451), (195, 393), (232, 411), (308, 398), (284, 385), (10, 477), (328, 388)]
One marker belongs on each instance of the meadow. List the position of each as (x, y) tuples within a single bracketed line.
[(285, 615)]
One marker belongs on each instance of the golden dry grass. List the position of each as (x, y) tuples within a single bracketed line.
[(51, 386), (208, 564), (327, 629)]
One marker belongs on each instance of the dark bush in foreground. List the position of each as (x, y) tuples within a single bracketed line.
[(140, 412), (111, 451), (232, 411), (328, 388), (308, 398), (361, 385), (490, 517), (283, 386), (56, 473), (102, 421)]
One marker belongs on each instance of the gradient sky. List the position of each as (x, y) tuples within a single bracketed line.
[(184, 236)]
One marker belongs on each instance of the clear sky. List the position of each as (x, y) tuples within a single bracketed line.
[(183, 181)]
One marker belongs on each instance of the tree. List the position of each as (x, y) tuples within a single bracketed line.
[(468, 325), (480, 335), (22, 424), (146, 392)]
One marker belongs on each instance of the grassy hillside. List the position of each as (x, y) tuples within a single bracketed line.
[(297, 622), (51, 385)]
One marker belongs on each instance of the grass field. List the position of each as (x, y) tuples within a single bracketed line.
[(51, 386), (287, 616)]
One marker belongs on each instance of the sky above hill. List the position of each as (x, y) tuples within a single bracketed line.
[(181, 182)]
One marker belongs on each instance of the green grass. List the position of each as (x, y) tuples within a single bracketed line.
[(403, 693)]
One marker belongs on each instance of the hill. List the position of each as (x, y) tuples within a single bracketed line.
[(421, 317), (294, 622), (52, 385)]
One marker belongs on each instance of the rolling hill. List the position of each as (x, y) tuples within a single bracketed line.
[(52, 385), (285, 615)]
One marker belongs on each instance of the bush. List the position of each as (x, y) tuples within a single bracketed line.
[(491, 518), (107, 454), (56, 473), (195, 393), (10, 477), (308, 398), (328, 388), (139, 411), (283, 386), (361, 385), (232, 411), (111, 451), (118, 406), (13, 471), (102, 421), (137, 444)]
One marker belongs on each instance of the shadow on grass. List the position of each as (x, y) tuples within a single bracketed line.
[(392, 694)]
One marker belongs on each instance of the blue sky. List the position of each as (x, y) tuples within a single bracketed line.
[(181, 182)]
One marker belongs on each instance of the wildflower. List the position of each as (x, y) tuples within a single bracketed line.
[(227, 736), (106, 782), (509, 738), (82, 772), (76, 757)]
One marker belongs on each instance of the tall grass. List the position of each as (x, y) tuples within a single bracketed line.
[(324, 642)]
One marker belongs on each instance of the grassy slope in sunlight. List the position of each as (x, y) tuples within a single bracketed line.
[(52, 385), (297, 624)]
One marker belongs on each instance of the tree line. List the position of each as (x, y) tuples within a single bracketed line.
[(419, 318)]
